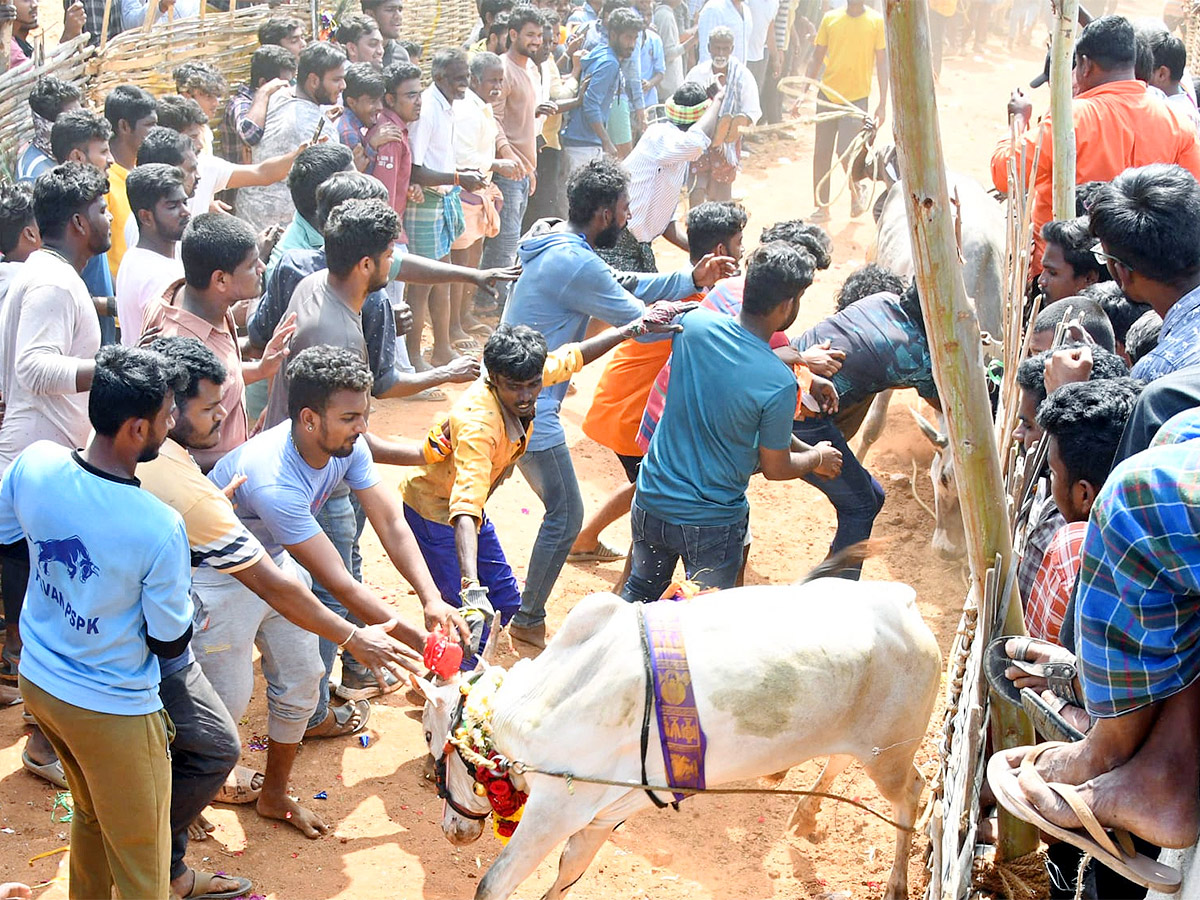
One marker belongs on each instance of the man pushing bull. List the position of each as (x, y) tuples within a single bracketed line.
[(488, 430)]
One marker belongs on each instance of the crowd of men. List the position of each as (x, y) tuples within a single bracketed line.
[(204, 292)]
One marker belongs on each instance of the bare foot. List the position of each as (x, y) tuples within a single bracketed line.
[(199, 830), (288, 810), (1140, 796), (442, 359)]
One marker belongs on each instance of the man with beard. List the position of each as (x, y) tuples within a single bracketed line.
[(109, 600), (563, 286), (327, 307), (206, 746), (49, 335), (294, 117), (488, 430), (285, 474), (160, 204)]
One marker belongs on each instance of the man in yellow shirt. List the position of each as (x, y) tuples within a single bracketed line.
[(849, 42), (488, 429), (131, 112)]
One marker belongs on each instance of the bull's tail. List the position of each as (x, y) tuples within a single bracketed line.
[(849, 558)]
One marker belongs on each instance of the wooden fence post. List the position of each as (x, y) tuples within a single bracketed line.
[(1062, 121), (954, 339)]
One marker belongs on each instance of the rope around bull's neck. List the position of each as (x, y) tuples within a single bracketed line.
[(477, 724)]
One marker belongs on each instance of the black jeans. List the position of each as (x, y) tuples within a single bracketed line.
[(855, 494), (204, 752), (14, 578), (547, 201)]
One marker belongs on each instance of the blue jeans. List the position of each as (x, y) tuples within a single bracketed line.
[(712, 554), (342, 520), (501, 250), (552, 477), (855, 494), (441, 556)]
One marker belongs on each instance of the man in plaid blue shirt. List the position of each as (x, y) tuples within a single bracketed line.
[(1138, 645), (1148, 224)]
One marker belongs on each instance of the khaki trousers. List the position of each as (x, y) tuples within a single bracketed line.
[(119, 771)]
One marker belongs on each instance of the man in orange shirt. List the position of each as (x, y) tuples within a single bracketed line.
[(1118, 125), (620, 398)]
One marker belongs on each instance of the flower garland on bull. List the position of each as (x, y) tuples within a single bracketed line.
[(473, 739)]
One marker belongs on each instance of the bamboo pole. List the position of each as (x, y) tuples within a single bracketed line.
[(953, 332), (1062, 121)]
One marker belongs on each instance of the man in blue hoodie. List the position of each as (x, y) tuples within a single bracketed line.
[(563, 285), (586, 136)]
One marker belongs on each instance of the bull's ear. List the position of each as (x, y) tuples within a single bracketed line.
[(425, 688)]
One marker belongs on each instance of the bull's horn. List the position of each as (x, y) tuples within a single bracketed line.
[(936, 438), (491, 649)]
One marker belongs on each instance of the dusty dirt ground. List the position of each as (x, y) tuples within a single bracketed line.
[(387, 841)]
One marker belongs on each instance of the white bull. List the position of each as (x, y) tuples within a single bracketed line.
[(781, 674), (981, 222)]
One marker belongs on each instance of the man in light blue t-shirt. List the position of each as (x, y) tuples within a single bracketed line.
[(728, 412), (290, 471), (107, 597)]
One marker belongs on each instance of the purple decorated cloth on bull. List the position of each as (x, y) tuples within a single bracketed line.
[(680, 734)]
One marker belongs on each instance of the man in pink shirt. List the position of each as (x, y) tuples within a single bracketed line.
[(393, 160), (517, 109)]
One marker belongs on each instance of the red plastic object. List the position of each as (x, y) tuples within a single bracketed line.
[(442, 655)]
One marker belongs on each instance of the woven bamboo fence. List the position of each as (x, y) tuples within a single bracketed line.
[(66, 61), (146, 56)]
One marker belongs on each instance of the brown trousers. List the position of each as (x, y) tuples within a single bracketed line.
[(119, 771)]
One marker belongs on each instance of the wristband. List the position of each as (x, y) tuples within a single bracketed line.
[(349, 638)]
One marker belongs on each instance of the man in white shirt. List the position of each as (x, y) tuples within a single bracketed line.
[(732, 14), (49, 335), (762, 50), (49, 332), (740, 106), (1170, 73), (658, 170), (159, 203), (294, 117), (213, 174), (435, 222), (475, 148)]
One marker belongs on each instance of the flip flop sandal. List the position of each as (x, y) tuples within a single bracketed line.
[(341, 721), (1059, 673), (200, 889), (602, 553), (1047, 719), (467, 345), (1116, 852), (429, 394), (51, 772), (482, 328), (243, 790), (367, 689)]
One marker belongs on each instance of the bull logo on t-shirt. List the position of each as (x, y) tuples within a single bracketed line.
[(71, 552)]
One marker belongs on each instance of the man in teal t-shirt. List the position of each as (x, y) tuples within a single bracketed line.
[(728, 412)]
